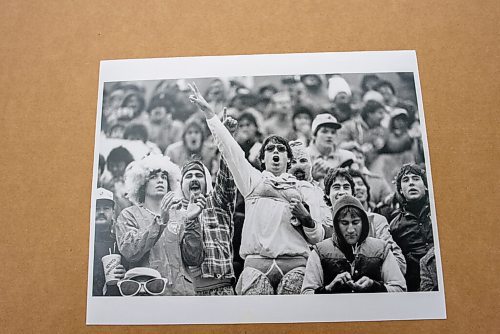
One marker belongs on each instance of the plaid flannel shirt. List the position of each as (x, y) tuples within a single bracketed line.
[(218, 226)]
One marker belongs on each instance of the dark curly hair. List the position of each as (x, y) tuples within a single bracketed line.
[(369, 108), (407, 169), (277, 140), (330, 177), (119, 154), (383, 83)]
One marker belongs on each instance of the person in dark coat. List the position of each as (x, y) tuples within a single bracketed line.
[(351, 261), (412, 227)]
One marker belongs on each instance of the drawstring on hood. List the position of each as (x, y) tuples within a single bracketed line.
[(348, 250)]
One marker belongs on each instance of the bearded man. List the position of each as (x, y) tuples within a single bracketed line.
[(301, 167), (215, 275)]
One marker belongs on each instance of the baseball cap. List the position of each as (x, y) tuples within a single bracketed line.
[(142, 271), (324, 119), (104, 195)]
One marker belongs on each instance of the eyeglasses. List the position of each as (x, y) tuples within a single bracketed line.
[(279, 147), (155, 287)]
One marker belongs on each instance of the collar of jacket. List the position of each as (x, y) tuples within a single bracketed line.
[(284, 177), (423, 211)]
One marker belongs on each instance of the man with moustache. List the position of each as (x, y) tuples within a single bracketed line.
[(104, 242), (274, 250), (339, 183), (300, 167), (412, 227), (215, 275), (154, 232)]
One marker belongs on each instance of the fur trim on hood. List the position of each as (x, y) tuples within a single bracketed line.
[(138, 171)]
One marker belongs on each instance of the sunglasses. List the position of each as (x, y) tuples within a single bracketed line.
[(279, 147), (154, 287)]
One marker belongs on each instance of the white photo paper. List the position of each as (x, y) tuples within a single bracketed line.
[(262, 189)]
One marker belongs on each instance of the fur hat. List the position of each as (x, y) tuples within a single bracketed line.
[(137, 173)]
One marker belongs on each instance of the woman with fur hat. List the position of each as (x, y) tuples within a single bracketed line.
[(153, 233), (351, 261)]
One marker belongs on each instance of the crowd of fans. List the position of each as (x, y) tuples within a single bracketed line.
[(310, 185)]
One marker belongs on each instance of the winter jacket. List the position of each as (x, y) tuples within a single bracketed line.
[(414, 235), (145, 241), (370, 257), (267, 230), (379, 229), (428, 273)]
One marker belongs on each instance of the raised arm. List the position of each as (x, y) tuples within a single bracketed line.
[(225, 188), (244, 174)]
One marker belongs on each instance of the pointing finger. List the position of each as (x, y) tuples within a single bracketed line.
[(196, 89)]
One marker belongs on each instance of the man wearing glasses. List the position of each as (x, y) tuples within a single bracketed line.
[(275, 250), (154, 233)]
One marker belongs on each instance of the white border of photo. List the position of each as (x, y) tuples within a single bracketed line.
[(263, 309)]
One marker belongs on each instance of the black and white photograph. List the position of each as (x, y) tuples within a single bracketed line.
[(265, 188)]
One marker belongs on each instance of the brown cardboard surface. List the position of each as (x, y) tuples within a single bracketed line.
[(50, 55)]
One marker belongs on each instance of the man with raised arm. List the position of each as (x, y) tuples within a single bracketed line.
[(274, 250), (215, 275)]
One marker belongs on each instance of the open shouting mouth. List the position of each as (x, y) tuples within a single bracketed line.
[(195, 187)]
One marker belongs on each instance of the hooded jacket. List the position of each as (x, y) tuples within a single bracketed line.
[(369, 257), (217, 224)]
